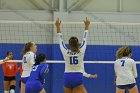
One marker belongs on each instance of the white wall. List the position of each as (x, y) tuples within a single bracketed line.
[(131, 5), (81, 5), (25, 4)]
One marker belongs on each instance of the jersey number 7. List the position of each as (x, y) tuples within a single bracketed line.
[(123, 62), (74, 60)]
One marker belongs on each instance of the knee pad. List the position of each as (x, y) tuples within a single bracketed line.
[(12, 91), (12, 87)]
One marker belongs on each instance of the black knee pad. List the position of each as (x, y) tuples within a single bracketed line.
[(12, 87)]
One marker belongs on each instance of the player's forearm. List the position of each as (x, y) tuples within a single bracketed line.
[(85, 35), (58, 29), (60, 37), (86, 27), (135, 70), (86, 75), (135, 74), (1, 61)]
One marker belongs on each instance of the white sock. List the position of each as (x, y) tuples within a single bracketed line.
[(12, 91), (6, 91)]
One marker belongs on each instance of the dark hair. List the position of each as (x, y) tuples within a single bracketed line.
[(26, 47), (8, 52), (124, 51), (74, 44), (40, 58)]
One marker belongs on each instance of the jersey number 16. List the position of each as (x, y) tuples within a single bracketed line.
[(74, 60)]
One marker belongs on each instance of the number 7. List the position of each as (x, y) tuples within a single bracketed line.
[(123, 62)]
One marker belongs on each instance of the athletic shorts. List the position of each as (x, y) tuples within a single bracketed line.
[(33, 87), (72, 80), (24, 79), (7, 78), (129, 86)]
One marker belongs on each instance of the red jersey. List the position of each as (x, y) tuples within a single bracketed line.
[(10, 68)]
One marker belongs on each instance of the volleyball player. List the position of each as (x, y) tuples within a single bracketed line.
[(9, 69), (126, 71), (74, 66), (28, 52), (37, 76)]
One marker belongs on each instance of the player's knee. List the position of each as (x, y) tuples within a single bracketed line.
[(6, 91)]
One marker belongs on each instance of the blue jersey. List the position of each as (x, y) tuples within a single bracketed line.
[(39, 72)]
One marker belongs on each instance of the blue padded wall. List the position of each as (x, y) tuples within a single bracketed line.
[(54, 80)]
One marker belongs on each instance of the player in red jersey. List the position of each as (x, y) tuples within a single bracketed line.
[(9, 69)]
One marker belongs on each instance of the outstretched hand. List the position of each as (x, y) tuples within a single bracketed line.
[(93, 76), (87, 23), (6, 59), (57, 24)]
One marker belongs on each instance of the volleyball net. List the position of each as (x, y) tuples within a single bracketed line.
[(102, 39)]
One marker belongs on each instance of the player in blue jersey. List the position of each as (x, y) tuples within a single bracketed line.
[(74, 66), (37, 76)]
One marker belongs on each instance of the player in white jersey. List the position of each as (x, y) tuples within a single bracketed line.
[(74, 66), (28, 52), (125, 71)]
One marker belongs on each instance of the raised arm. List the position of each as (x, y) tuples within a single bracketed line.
[(134, 69), (61, 42), (84, 42)]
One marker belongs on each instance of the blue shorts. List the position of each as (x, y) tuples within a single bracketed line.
[(24, 79), (33, 87), (129, 86), (72, 80)]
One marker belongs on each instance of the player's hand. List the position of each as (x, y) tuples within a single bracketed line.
[(93, 76), (87, 23), (6, 59), (57, 24)]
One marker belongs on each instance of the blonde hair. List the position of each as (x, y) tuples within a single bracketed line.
[(123, 51), (26, 47)]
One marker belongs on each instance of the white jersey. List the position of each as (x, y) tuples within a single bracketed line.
[(28, 62), (125, 70), (74, 61)]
